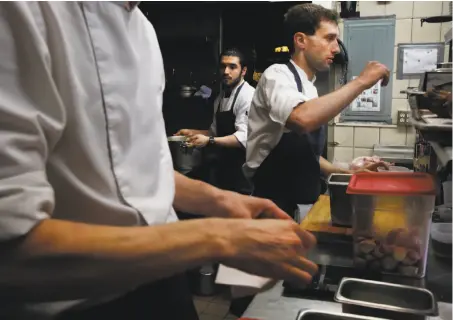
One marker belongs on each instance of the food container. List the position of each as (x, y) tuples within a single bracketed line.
[(391, 221), (385, 300), (441, 239), (322, 315), (340, 201), (394, 169)]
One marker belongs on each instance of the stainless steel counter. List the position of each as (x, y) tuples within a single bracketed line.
[(274, 305)]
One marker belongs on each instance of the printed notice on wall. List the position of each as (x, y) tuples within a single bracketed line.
[(368, 100), (419, 60)]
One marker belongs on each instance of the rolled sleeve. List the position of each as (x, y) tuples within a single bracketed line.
[(242, 114), (281, 94), (31, 122)]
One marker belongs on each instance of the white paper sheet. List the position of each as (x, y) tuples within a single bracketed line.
[(234, 277), (419, 60)]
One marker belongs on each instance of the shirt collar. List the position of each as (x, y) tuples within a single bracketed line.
[(302, 74), (127, 5)]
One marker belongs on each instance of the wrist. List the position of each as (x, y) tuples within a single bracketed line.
[(219, 234), (362, 85)]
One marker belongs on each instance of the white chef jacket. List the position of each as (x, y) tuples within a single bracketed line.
[(240, 109), (275, 98), (82, 134)]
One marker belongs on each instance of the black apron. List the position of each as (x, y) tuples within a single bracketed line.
[(290, 174), (229, 174), (167, 299)]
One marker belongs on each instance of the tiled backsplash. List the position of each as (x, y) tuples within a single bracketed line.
[(348, 142)]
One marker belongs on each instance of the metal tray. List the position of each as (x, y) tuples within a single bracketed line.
[(385, 300), (322, 315)]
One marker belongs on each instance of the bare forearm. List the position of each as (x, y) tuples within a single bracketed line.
[(311, 114), (61, 260), (228, 141), (328, 168), (196, 196), (204, 132)]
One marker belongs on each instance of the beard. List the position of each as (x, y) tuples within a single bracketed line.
[(232, 84)]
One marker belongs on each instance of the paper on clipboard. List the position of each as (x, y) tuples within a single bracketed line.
[(419, 60)]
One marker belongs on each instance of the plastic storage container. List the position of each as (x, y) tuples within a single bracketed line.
[(391, 221), (340, 201)]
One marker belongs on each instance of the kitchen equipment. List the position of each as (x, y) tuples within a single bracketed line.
[(187, 91), (391, 221), (318, 220), (385, 300), (185, 157), (399, 155), (340, 201), (323, 315), (441, 236)]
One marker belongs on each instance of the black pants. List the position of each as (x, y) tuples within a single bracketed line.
[(165, 299)]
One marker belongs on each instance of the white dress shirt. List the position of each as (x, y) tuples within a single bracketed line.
[(241, 109), (275, 97), (82, 134)]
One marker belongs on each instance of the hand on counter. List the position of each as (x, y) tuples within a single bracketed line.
[(274, 249)]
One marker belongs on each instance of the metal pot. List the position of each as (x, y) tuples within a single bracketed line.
[(185, 157)]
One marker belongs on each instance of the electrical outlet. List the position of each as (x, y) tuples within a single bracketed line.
[(403, 118)]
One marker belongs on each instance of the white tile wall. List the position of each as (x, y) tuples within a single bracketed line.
[(402, 9), (363, 152), (414, 82), (423, 9), (344, 136), (365, 137), (446, 7), (343, 154), (403, 31), (398, 86), (410, 139), (371, 8), (429, 32), (392, 136)]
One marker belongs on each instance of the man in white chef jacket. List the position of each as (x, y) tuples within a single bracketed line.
[(87, 188), (227, 136), (286, 128)]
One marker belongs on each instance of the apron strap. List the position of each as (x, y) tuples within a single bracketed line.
[(296, 75), (234, 99)]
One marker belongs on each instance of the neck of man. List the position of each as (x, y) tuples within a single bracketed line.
[(229, 89), (299, 59)]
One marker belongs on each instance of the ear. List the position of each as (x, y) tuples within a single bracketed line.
[(299, 40), (244, 71)]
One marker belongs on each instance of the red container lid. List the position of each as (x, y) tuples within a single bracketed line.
[(392, 183)]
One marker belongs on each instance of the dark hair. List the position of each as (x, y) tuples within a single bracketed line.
[(234, 52), (305, 18)]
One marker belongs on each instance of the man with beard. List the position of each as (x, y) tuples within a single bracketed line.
[(227, 135), (286, 127)]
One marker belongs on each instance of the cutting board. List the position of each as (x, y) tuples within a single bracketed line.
[(318, 219)]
